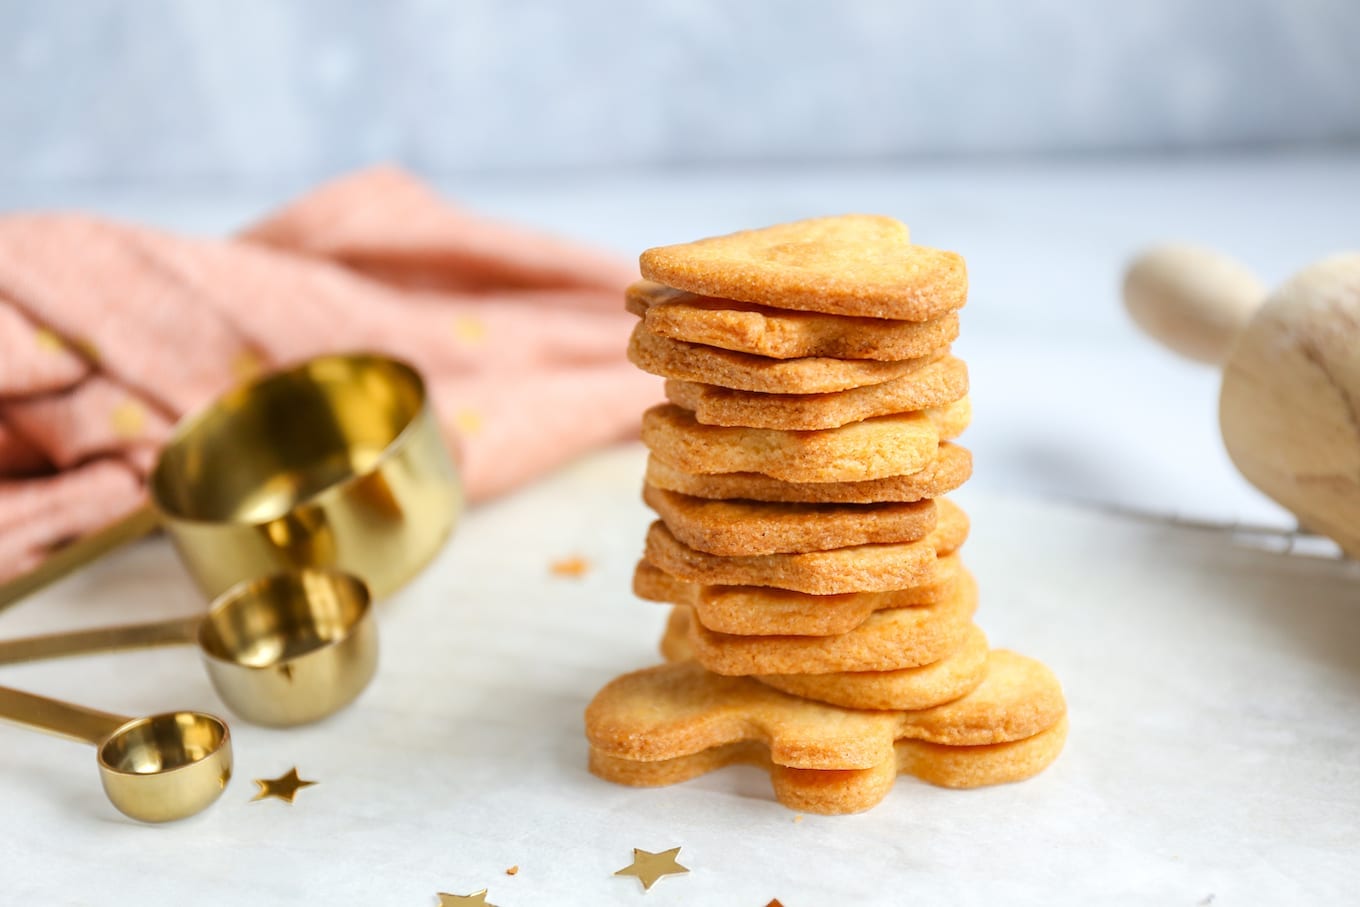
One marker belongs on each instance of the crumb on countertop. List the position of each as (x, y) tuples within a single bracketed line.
[(574, 566), (512, 870)]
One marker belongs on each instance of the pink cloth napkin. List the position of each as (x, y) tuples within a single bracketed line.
[(109, 332)]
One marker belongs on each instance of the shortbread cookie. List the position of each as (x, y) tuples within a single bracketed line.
[(922, 687), (710, 365), (735, 528), (862, 568), (950, 468), (782, 334), (679, 709), (762, 611), (886, 641), (938, 384), (895, 445), (854, 264), (838, 793)]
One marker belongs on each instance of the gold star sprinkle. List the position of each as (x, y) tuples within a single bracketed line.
[(128, 419), (285, 787), (48, 340), (648, 866), (246, 365), (468, 421), (476, 899), (469, 330)]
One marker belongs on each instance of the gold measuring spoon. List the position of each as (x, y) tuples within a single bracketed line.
[(282, 650), (155, 769)]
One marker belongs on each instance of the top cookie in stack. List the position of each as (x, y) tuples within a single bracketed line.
[(798, 472)]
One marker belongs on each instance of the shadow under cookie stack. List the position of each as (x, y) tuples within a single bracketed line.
[(822, 623)]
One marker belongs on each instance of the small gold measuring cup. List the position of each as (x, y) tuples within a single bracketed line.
[(337, 462), (155, 769), (283, 650)]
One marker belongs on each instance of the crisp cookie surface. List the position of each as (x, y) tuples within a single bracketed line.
[(838, 793), (862, 568), (735, 528), (710, 365), (678, 709), (763, 611), (854, 264), (744, 327), (886, 641), (894, 445), (949, 469), (922, 687), (938, 384)]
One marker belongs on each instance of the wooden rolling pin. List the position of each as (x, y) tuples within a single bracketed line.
[(1289, 408)]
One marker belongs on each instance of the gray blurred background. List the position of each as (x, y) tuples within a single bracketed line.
[(97, 91)]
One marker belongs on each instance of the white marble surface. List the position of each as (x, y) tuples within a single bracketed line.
[(1213, 689), (1213, 695)]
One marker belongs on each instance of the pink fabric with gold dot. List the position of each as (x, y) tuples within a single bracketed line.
[(109, 332)]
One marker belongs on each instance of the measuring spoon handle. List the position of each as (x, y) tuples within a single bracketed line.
[(56, 717), (178, 631)]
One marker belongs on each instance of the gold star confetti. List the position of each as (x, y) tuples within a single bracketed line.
[(247, 364), (648, 866), (469, 330), (128, 419), (574, 567), (468, 421), (48, 340), (285, 787), (476, 899)]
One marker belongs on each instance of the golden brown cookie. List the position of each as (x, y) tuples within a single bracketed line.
[(861, 568), (940, 384), (783, 334), (710, 365), (679, 708), (886, 641), (762, 611), (950, 468), (840, 792), (855, 264), (895, 445), (735, 528), (922, 687)]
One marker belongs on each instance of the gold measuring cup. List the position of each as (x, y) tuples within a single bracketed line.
[(154, 769), (283, 650), (337, 462)]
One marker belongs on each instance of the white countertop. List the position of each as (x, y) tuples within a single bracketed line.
[(1213, 688)]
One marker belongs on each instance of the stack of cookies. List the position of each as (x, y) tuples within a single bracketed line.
[(822, 621)]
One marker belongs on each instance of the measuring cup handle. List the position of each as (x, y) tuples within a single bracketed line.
[(56, 717), (179, 631)]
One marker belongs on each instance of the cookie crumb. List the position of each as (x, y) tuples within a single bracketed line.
[(513, 870), (775, 902), (574, 567)]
